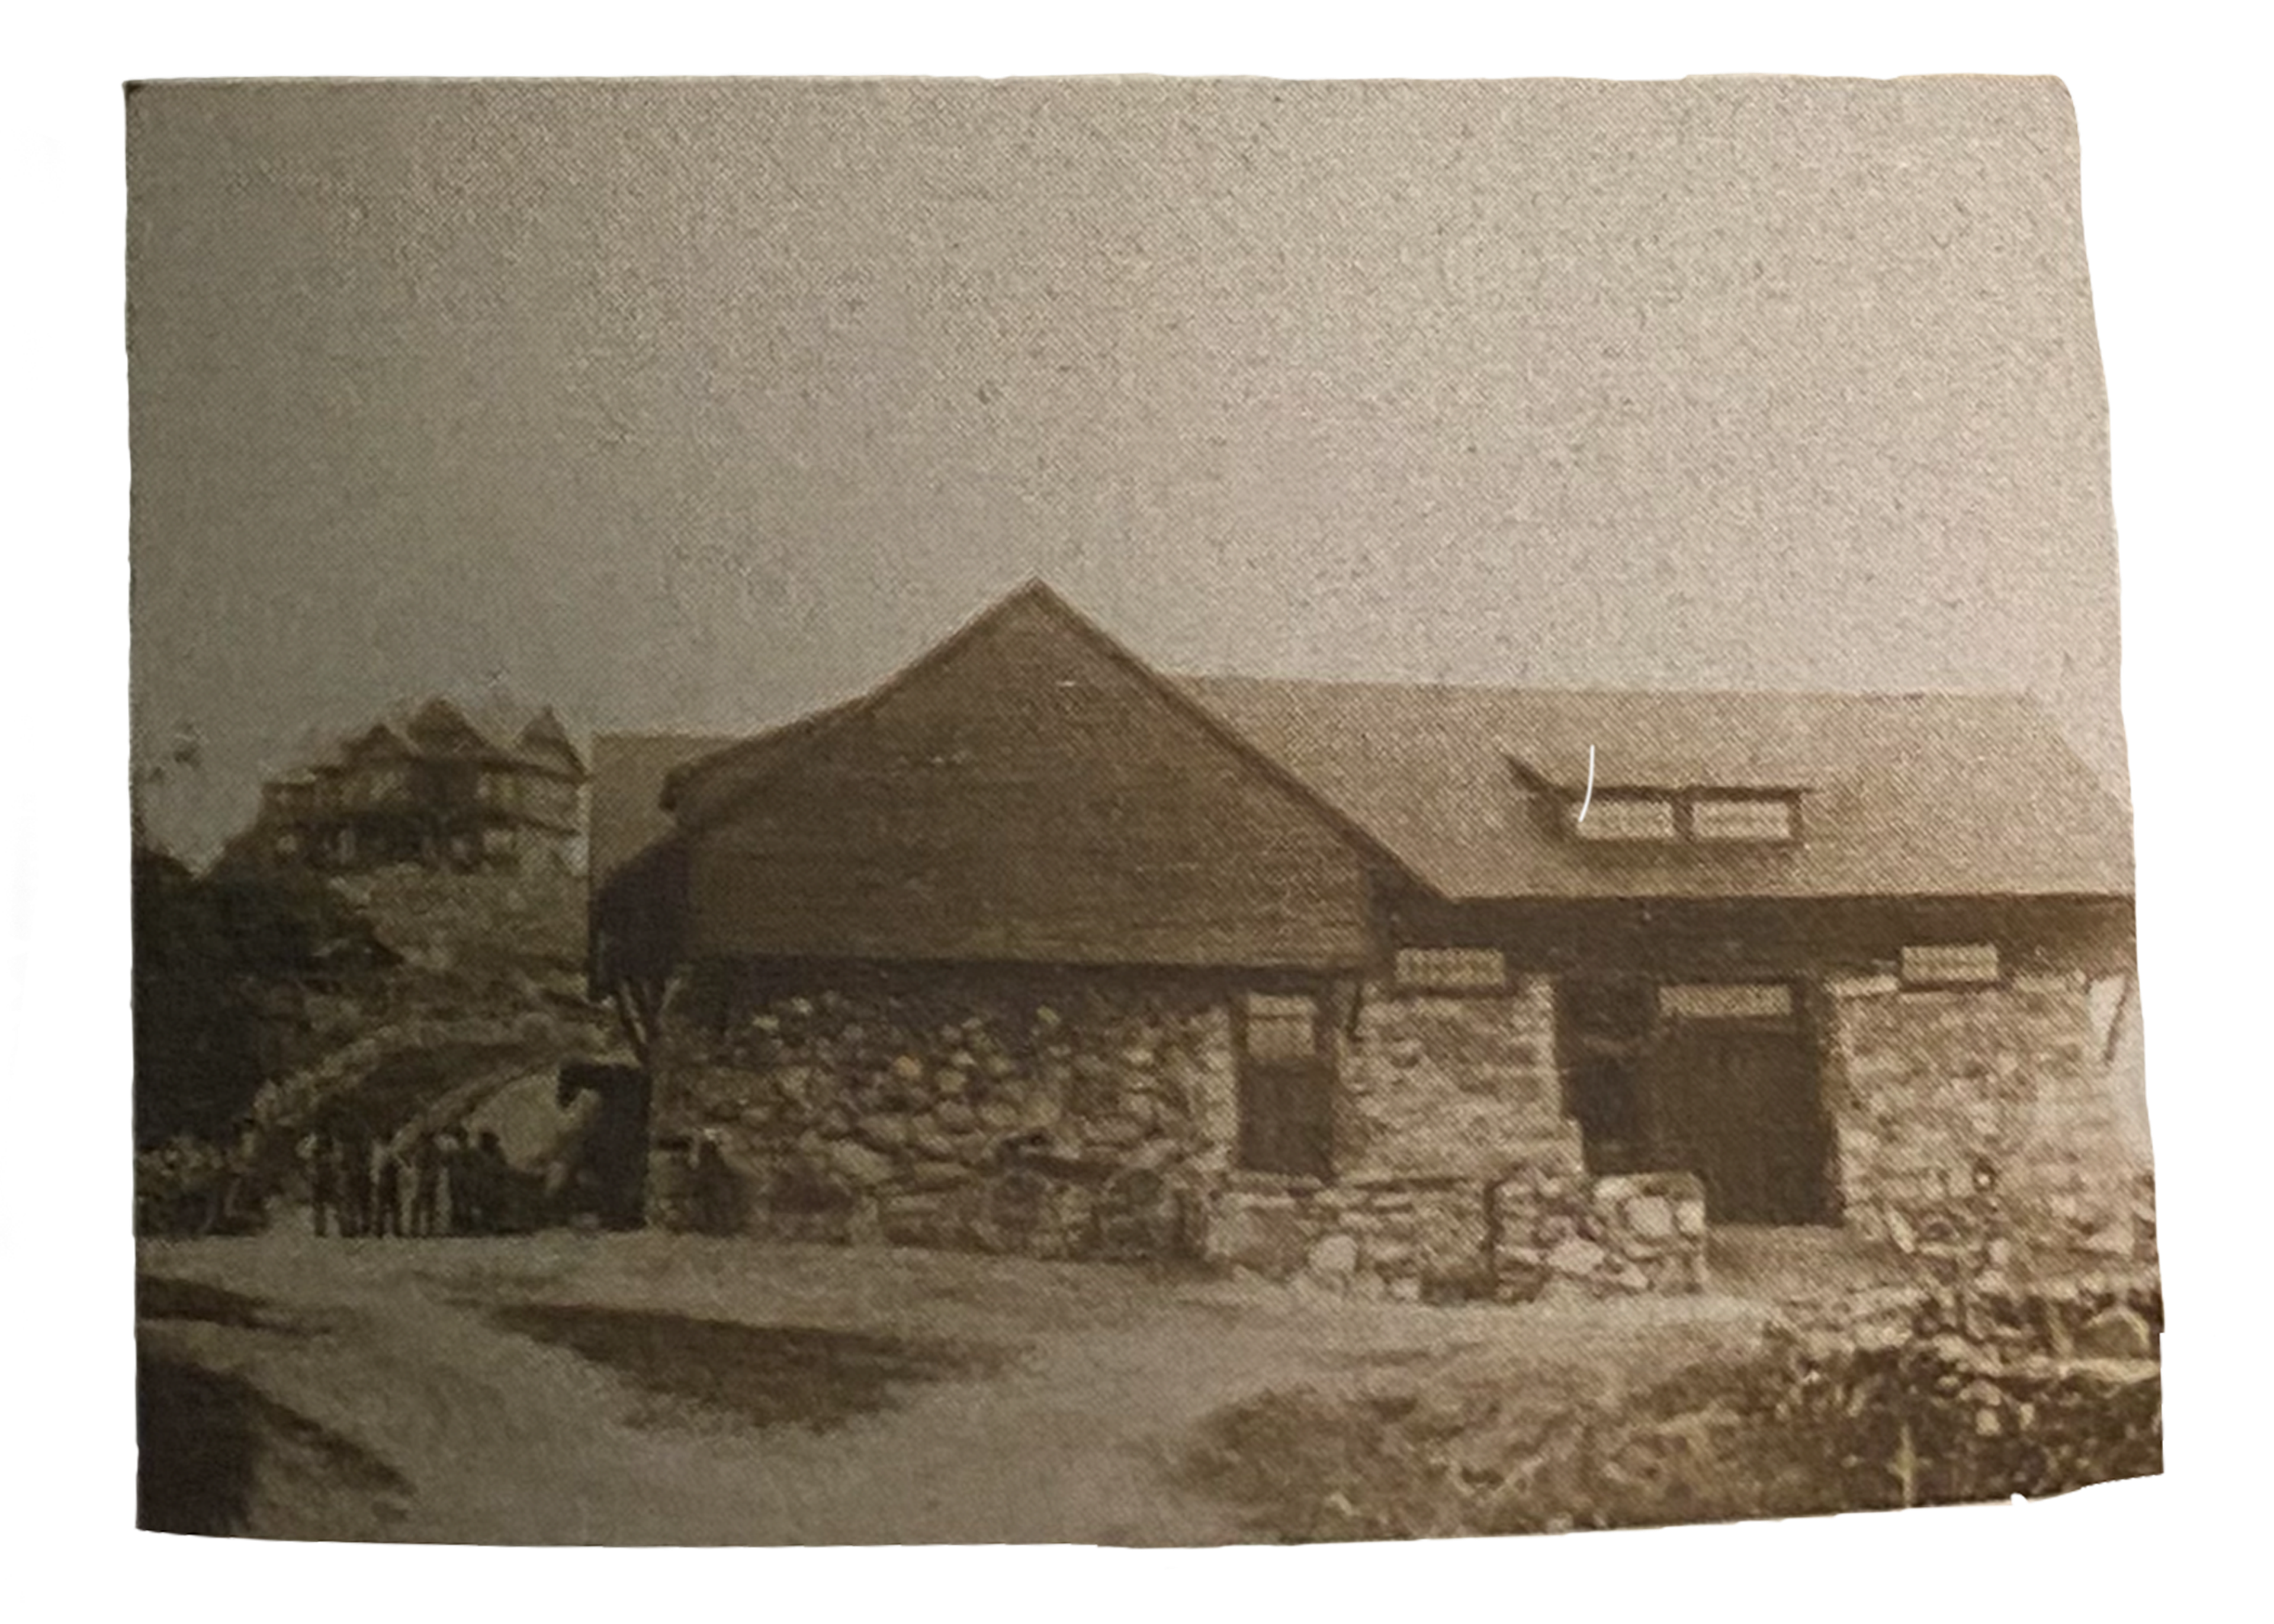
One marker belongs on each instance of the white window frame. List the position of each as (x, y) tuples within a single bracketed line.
[(1441, 969), (1951, 963), (1607, 830), (1704, 807)]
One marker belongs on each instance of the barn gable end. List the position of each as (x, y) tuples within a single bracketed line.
[(1027, 793)]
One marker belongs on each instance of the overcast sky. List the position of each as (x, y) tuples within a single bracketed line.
[(696, 405)]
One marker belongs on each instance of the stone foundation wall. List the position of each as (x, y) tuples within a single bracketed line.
[(1072, 1118), (1969, 1120), (1097, 1117)]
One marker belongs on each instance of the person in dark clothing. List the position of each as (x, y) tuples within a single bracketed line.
[(714, 1188), (324, 1181), (465, 1181), (493, 1174), (426, 1185), (240, 1203), (386, 1189), (355, 1193)]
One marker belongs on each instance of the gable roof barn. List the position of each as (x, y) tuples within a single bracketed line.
[(1464, 788)]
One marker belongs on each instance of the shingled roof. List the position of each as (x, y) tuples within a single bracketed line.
[(1943, 795), (1910, 794), (493, 728)]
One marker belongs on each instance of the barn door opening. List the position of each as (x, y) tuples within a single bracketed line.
[(1732, 1095)]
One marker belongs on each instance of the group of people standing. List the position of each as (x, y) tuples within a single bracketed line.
[(436, 1185)]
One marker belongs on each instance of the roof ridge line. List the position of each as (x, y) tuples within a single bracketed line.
[(1553, 690)]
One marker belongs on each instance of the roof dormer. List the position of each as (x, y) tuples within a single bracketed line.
[(1689, 816), (1670, 809)]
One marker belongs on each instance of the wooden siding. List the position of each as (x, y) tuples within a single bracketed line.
[(1026, 796)]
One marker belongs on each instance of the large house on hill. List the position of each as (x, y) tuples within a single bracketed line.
[(1409, 990), (439, 783)]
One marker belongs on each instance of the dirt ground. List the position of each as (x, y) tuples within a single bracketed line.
[(645, 1389)]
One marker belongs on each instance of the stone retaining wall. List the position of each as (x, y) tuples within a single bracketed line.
[(1547, 1230), (1379, 1237)]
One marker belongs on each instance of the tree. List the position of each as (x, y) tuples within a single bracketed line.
[(196, 1048), (220, 962)]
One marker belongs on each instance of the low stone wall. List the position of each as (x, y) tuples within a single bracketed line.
[(1548, 1230), (1558, 1233), (1398, 1237), (1995, 1388)]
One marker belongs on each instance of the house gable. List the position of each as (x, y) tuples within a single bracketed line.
[(378, 743), (1027, 791), (441, 729), (545, 743)]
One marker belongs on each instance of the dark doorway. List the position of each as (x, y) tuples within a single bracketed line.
[(1604, 1029), (1716, 1079), (1732, 1093)]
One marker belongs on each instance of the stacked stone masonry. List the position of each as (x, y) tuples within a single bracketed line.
[(1462, 1176), (1969, 1120), (1076, 1120), (1097, 1117), (1558, 1233)]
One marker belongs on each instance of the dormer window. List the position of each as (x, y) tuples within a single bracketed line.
[(1628, 817), (1666, 803), (1760, 819), (1682, 817)]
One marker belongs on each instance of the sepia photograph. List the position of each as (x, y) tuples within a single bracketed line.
[(1123, 811)]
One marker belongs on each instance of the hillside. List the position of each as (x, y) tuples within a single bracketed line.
[(481, 986), (489, 983)]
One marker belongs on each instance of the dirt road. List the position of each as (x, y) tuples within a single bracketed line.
[(661, 1389)]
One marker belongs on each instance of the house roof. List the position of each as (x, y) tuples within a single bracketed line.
[(695, 789), (1900, 795), (490, 728), (630, 771)]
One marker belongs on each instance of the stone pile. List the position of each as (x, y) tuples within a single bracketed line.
[(1995, 1388)]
